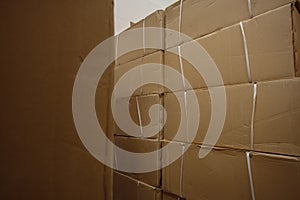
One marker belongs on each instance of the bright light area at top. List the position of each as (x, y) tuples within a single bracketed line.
[(127, 11)]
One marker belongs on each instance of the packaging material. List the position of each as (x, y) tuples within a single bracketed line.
[(225, 174), (139, 145), (43, 46), (275, 124), (277, 117), (139, 108), (211, 15), (268, 41), (128, 188), (140, 38), (121, 70), (297, 37), (168, 196)]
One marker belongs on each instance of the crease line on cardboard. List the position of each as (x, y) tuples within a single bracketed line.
[(250, 175), (246, 52)]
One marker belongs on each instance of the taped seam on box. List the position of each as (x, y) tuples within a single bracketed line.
[(250, 8), (246, 52), (181, 169), (252, 116), (250, 175), (139, 116), (180, 21)]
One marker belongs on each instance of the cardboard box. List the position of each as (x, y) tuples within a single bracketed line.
[(139, 145), (140, 38), (129, 188), (276, 116), (269, 39), (121, 70), (139, 109), (168, 196), (297, 37), (44, 44), (223, 174), (200, 17)]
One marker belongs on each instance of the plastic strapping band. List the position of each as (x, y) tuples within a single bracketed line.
[(250, 175), (116, 47), (180, 21), (116, 159), (252, 116), (139, 115), (181, 169), (181, 68), (144, 37), (250, 8), (184, 88), (246, 52)]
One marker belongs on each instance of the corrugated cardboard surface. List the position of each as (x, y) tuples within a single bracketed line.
[(121, 70), (211, 15), (276, 116), (270, 45), (43, 45), (128, 188), (139, 111), (297, 37), (156, 19), (139, 145), (223, 174)]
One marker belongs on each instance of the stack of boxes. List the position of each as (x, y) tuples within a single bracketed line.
[(255, 46)]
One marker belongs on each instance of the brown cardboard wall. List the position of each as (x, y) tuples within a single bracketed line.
[(129, 188), (211, 15), (43, 45)]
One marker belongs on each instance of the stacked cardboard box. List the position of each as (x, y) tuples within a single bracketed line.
[(255, 46), (139, 185)]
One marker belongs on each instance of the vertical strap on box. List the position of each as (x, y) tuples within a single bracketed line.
[(116, 158), (250, 8), (181, 169), (246, 52), (116, 47), (139, 116), (144, 37), (184, 92), (252, 116), (180, 21), (250, 175)]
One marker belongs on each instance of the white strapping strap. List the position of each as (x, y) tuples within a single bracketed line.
[(246, 52), (180, 21), (139, 115), (252, 116), (117, 47), (181, 68), (250, 8), (250, 175), (181, 169), (116, 159), (184, 88), (144, 37)]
